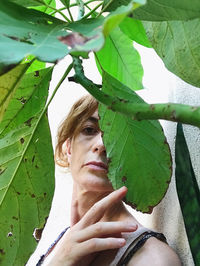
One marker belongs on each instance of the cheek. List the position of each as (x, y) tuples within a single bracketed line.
[(77, 158)]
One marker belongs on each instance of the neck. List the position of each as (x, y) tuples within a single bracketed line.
[(83, 200)]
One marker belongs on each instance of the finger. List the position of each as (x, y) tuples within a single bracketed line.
[(104, 228), (98, 209), (100, 244)]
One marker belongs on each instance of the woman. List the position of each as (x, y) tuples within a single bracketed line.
[(102, 231)]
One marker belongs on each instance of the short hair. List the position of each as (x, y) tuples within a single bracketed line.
[(70, 127)]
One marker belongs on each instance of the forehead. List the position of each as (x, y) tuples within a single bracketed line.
[(94, 117)]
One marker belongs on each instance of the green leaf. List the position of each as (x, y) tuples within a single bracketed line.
[(119, 58), (28, 3), (37, 4), (134, 29), (8, 85), (137, 150), (43, 36), (115, 17), (188, 193), (111, 5), (86, 35), (33, 33), (44, 8), (47, 38), (28, 97), (161, 10), (36, 65), (94, 30), (177, 43), (27, 169)]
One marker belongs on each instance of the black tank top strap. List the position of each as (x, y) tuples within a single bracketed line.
[(137, 244), (41, 260)]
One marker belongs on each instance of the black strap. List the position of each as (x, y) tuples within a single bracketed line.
[(41, 260), (145, 236)]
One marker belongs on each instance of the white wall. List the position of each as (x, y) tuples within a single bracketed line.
[(162, 87)]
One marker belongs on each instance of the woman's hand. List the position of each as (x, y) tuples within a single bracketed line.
[(79, 245)]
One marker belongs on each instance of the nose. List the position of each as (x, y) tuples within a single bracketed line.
[(98, 145)]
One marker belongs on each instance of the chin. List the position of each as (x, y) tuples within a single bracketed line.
[(97, 182)]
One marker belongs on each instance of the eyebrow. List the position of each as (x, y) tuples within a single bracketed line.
[(93, 119)]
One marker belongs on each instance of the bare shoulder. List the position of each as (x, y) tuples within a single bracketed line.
[(156, 253)]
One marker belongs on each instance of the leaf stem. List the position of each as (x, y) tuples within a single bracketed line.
[(86, 3), (138, 111), (69, 68), (104, 8), (72, 5), (92, 11), (56, 10), (70, 14)]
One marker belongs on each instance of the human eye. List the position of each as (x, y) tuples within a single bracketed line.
[(90, 130)]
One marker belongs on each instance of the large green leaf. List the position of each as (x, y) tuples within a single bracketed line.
[(111, 5), (138, 153), (27, 172), (161, 10), (134, 29), (47, 38), (36, 33), (33, 33), (188, 193), (178, 44), (119, 58), (8, 85), (28, 3), (28, 98)]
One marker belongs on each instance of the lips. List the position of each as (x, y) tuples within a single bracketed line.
[(97, 165)]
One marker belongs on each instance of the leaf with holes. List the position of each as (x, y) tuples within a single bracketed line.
[(34, 33), (8, 85), (161, 10), (27, 169), (47, 38), (177, 43), (120, 59), (43, 36), (138, 153)]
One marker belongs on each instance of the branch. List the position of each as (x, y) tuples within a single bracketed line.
[(138, 111)]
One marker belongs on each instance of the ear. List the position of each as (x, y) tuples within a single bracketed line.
[(68, 149)]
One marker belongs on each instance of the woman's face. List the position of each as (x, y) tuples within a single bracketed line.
[(87, 157)]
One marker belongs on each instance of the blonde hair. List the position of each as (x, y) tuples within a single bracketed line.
[(70, 127)]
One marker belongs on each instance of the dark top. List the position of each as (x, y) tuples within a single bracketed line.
[(140, 241)]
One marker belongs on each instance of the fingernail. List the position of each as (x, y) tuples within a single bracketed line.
[(131, 226), (121, 242)]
